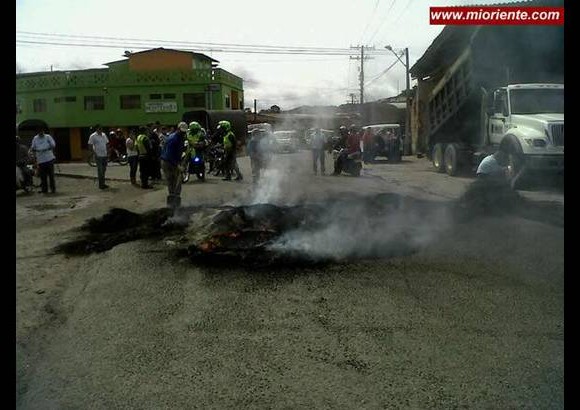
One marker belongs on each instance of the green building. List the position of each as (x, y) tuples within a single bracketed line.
[(148, 86)]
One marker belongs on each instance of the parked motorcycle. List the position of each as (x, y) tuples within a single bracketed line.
[(24, 177), (216, 159), (351, 163), (114, 156)]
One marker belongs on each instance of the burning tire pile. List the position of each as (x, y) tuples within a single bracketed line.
[(265, 235)]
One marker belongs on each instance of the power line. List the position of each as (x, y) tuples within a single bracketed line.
[(384, 20), (402, 12), (113, 42), (369, 21), (382, 73)]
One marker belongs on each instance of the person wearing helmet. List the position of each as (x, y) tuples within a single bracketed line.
[(196, 145), (229, 142), (171, 163), (195, 138)]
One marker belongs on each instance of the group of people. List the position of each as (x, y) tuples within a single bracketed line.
[(174, 148), (348, 142)]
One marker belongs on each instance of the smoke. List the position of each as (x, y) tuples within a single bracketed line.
[(366, 228)]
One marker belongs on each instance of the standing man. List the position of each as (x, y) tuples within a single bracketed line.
[(318, 153), (43, 146), (229, 141), (143, 145), (132, 157), (171, 163), (99, 144)]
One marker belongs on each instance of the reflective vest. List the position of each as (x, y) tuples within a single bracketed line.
[(191, 141), (229, 139), (142, 145)]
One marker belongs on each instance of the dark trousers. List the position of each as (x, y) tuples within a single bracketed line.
[(133, 164), (46, 173), (318, 155), (101, 169), (229, 160), (144, 170)]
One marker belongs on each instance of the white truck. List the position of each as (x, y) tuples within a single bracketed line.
[(530, 117)]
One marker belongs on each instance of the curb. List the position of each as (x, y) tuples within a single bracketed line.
[(88, 177)]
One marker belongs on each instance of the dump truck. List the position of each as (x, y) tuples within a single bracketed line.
[(479, 87)]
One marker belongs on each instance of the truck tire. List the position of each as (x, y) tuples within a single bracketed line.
[(450, 158), (438, 157)]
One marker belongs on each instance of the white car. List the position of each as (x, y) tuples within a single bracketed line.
[(285, 141)]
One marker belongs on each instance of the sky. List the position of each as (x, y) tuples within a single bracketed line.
[(103, 30)]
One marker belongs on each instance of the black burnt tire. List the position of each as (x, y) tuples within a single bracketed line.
[(450, 159), (438, 157)]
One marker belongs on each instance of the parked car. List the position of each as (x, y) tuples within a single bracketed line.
[(285, 141)]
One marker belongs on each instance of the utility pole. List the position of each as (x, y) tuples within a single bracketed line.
[(407, 141), (362, 58), (255, 109)]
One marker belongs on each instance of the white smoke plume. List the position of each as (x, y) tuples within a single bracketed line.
[(358, 230)]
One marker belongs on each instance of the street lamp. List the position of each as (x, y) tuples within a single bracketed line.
[(407, 142)]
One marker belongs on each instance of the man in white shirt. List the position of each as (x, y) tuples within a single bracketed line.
[(99, 142), (493, 166), (42, 147)]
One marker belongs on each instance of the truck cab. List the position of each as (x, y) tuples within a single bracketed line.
[(530, 119)]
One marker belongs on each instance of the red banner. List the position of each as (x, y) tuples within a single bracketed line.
[(489, 15)]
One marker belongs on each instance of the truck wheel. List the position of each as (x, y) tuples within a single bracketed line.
[(438, 158), (450, 159)]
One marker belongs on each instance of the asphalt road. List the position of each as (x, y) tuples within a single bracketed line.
[(473, 319)]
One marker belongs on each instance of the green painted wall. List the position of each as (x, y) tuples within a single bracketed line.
[(111, 84)]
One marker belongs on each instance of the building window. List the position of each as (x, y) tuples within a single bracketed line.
[(169, 96), (94, 103), (154, 96), (65, 99), (39, 105), (130, 102), (193, 100), (227, 101)]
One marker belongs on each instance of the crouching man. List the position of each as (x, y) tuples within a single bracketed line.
[(171, 162)]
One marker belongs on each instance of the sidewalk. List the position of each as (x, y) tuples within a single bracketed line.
[(116, 172)]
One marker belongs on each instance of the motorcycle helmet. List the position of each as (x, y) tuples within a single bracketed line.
[(224, 125), (194, 127), (182, 126)]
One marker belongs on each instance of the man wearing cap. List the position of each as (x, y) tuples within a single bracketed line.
[(170, 161)]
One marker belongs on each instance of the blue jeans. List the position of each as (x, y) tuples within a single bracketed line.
[(101, 168)]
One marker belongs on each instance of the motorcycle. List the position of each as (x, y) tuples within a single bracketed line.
[(193, 164), (24, 177), (351, 163), (114, 156), (216, 159)]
